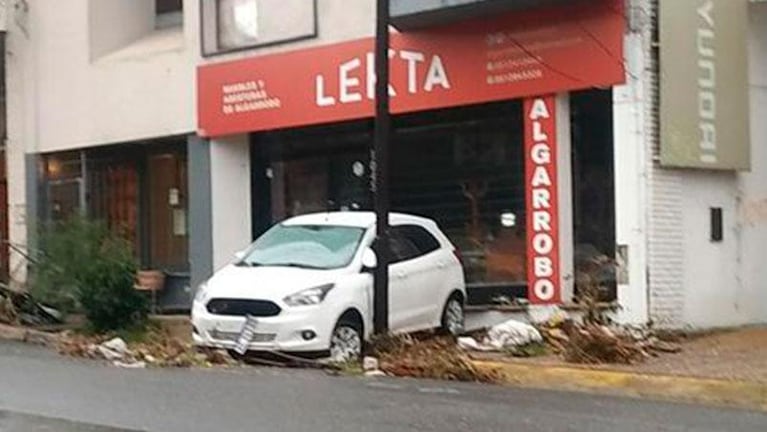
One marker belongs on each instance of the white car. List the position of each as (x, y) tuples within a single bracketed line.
[(306, 286)]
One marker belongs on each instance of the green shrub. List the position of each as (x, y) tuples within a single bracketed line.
[(84, 266), (68, 250)]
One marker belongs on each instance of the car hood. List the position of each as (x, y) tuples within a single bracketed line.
[(271, 283)]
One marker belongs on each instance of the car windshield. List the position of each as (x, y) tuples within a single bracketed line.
[(305, 246)]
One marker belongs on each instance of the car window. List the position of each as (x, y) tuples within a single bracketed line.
[(419, 237), (308, 246), (402, 249)]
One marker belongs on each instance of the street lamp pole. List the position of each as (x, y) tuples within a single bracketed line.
[(380, 169)]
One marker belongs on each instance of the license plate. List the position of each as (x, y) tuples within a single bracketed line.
[(246, 335)]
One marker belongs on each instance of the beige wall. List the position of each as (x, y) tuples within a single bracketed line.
[(105, 75), (85, 73), (101, 74)]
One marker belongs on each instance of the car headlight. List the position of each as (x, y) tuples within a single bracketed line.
[(202, 292), (308, 297)]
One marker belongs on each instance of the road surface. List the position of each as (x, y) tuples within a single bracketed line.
[(40, 391)]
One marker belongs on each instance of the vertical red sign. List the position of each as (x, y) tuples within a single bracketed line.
[(541, 200)]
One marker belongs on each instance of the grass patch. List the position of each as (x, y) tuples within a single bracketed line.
[(535, 349)]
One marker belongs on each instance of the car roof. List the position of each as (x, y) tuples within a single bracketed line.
[(360, 219)]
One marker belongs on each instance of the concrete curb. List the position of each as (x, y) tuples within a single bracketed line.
[(23, 334), (676, 388)]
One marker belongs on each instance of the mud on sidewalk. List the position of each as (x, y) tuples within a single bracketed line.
[(723, 367)]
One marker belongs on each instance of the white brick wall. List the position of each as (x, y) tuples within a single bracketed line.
[(666, 218)]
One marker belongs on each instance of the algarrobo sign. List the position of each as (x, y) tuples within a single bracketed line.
[(532, 52), (541, 201)]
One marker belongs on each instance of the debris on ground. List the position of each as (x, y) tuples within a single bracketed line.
[(113, 349), (369, 364), (19, 308), (157, 350), (431, 357), (551, 315), (596, 344), (504, 336)]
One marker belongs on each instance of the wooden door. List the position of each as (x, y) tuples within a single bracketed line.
[(167, 212)]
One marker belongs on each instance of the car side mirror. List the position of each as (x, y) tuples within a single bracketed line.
[(369, 259)]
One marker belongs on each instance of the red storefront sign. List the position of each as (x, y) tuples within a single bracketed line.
[(542, 224), (517, 55)]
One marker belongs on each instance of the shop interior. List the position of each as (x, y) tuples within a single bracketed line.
[(462, 167)]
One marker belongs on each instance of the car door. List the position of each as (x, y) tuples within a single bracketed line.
[(425, 276), (403, 307)]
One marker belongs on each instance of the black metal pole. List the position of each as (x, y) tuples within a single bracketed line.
[(380, 170)]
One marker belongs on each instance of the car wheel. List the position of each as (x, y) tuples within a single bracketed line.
[(346, 342), (453, 317)]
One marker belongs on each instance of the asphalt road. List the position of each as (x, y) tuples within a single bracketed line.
[(40, 391)]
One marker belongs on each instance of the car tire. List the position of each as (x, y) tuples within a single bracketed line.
[(453, 318), (346, 341)]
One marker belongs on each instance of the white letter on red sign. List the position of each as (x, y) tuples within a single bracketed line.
[(347, 82), (539, 110), (322, 100), (412, 58), (544, 290), (437, 75), (541, 200)]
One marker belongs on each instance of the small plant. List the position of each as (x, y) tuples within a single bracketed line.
[(84, 266), (590, 288)]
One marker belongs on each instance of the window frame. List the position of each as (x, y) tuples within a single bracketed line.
[(218, 51)]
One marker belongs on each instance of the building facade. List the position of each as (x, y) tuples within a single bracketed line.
[(530, 130)]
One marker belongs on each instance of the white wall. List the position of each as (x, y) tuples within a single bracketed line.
[(230, 197), (103, 75), (143, 88), (753, 206), (135, 18), (711, 284), (726, 284), (695, 282), (21, 135), (630, 185)]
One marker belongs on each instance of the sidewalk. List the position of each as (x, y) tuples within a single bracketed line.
[(727, 368)]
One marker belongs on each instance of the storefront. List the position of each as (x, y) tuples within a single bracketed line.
[(139, 190), (503, 135)]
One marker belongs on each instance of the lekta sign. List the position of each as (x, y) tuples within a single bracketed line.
[(538, 51), (349, 85), (541, 200)]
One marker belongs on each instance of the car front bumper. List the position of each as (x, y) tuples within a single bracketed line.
[(284, 332)]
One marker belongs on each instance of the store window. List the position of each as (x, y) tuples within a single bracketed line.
[(461, 167), (464, 169), (316, 169), (63, 186), (139, 190), (594, 191)]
